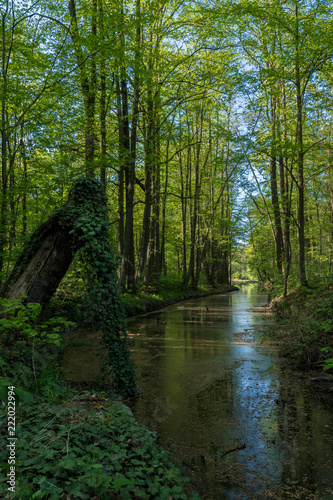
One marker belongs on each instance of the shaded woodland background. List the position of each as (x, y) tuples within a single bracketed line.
[(208, 123)]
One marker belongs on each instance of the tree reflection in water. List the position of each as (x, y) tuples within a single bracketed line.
[(209, 388)]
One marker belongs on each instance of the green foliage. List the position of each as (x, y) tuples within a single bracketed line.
[(25, 360), (23, 343), (69, 451), (170, 292), (170, 285), (70, 307), (89, 220), (19, 324), (244, 264), (328, 363)]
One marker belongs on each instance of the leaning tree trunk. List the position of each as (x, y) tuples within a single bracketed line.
[(50, 251)]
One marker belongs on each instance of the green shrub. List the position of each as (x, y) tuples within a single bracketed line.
[(328, 363), (24, 360), (19, 324)]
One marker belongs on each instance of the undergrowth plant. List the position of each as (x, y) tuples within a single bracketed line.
[(23, 337), (328, 363), (80, 453), (19, 324)]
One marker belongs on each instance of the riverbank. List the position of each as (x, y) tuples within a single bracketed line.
[(303, 327), (78, 311)]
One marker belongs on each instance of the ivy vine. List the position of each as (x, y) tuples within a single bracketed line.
[(86, 215)]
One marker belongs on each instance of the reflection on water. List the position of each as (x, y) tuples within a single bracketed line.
[(237, 421)]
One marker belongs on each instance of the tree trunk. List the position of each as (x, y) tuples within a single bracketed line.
[(163, 265), (43, 264), (330, 190), (285, 189), (151, 167), (300, 163), (274, 192), (130, 166), (4, 139), (88, 85), (194, 229), (103, 97)]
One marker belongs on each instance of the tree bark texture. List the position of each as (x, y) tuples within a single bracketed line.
[(274, 193), (88, 83)]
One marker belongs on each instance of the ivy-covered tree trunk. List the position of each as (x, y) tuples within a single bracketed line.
[(81, 224)]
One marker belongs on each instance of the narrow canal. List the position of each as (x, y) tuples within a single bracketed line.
[(236, 418)]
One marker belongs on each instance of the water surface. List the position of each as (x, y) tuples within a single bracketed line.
[(238, 421)]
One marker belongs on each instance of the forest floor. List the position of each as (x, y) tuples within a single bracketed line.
[(84, 444)]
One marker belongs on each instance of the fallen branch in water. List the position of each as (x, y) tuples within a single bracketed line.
[(238, 448)]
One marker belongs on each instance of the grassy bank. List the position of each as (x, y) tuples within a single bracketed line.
[(77, 309), (303, 326)]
